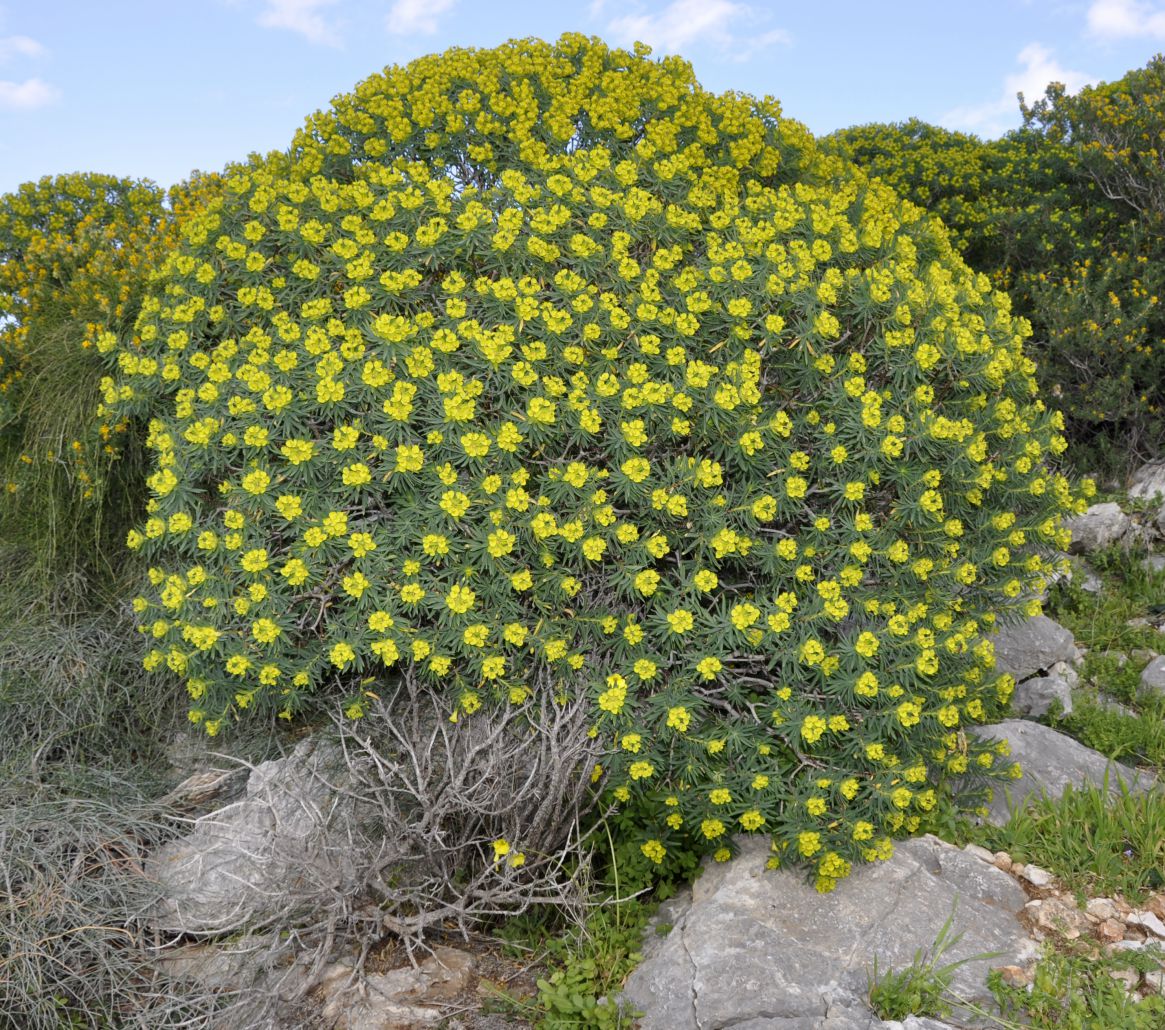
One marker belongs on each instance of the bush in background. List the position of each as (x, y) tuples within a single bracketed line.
[(76, 252), (1065, 215)]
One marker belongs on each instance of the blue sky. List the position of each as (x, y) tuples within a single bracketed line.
[(156, 88)]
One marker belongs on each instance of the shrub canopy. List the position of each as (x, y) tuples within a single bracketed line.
[(541, 370), (76, 252), (1066, 215)]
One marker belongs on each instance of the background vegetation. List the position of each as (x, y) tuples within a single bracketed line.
[(1066, 215)]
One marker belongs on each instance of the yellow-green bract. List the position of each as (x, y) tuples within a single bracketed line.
[(541, 369)]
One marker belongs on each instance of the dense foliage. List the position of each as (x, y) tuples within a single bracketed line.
[(542, 371), (1065, 215), (76, 253)]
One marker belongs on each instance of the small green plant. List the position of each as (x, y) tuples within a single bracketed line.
[(592, 965), (588, 963), (1080, 992), (1096, 842), (920, 989), (1100, 621), (1137, 739)]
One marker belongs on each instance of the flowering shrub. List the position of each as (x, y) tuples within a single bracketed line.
[(540, 371), (75, 251), (1063, 215)]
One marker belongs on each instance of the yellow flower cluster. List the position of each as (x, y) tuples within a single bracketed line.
[(77, 253), (541, 368)]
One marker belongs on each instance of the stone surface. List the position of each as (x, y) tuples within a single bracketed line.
[(1031, 646), (1147, 921), (1102, 908), (1111, 704), (1036, 876), (1100, 526), (762, 949), (1153, 676), (1034, 698), (1058, 916), (234, 867), (400, 999), (1050, 762), (1148, 481), (980, 853), (1154, 563)]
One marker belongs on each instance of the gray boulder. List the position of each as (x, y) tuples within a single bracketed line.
[(762, 949), (244, 864), (1148, 481), (1050, 761), (1153, 676), (1033, 698), (1155, 562), (1100, 526), (1031, 646)]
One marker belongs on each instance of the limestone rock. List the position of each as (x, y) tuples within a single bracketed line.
[(1153, 676), (1148, 481), (1034, 698), (1036, 876), (401, 999), (1148, 921), (1099, 527), (1102, 908), (1030, 646), (762, 949), (1050, 762), (1111, 704), (235, 866), (1059, 916), (1154, 563)]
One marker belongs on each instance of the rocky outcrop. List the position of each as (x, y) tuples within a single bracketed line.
[(1031, 646), (1148, 482), (239, 865), (1035, 697), (1099, 527), (1051, 761), (1153, 676), (762, 949)]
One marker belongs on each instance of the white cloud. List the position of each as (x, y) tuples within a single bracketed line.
[(416, 17), (302, 17), (19, 46), (1124, 19), (683, 23), (1037, 68), (27, 95)]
